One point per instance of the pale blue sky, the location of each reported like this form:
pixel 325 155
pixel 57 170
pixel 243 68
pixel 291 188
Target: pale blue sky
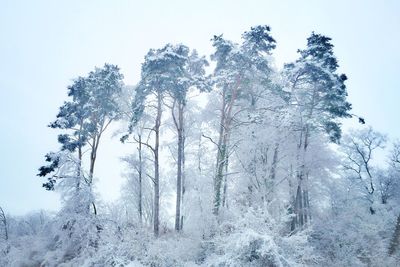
pixel 45 44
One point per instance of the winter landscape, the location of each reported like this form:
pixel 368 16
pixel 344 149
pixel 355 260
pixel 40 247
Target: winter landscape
pixel 222 133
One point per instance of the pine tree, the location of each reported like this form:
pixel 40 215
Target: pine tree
pixel 163 72
pixel 191 74
pixel 318 97
pixel 84 118
pixel 239 68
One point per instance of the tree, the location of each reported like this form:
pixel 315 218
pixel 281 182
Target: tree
pixel 135 179
pixel 160 72
pixel 84 118
pixel 317 97
pixel 137 192
pixel 189 73
pixel 237 69
pixel 360 148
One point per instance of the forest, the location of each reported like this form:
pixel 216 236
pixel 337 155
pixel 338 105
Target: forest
pixel 234 162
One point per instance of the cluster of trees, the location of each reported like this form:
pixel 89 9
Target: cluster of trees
pixel 246 160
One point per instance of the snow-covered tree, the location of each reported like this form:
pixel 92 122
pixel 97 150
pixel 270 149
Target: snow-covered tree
pixel 188 74
pixel 84 118
pixel 242 158
pixel 317 97
pixel 360 147
pixel 161 71
pixel 239 69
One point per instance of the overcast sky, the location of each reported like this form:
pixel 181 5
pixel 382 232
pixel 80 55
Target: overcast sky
pixel 45 44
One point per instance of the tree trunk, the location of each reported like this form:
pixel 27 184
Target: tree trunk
pixel 224 131
pixel 225 189
pixel 394 243
pixel 140 208
pixel 92 161
pixel 301 205
pixel 180 167
pixel 219 177
pixel 220 158
pixel 156 220
pixel 183 177
pixel 79 170
pixel 274 164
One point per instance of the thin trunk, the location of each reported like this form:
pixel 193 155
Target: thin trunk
pixel 300 202
pixel 179 126
pixel 93 156
pixel 199 155
pixel 220 157
pixel 183 175
pixel 94 208
pixel 224 195
pixel 156 220
pixel 305 207
pixel 299 206
pixel 224 131
pixel 92 160
pixel 307 202
pixel 79 170
pixel 140 208
pixel 272 175
pixel 274 164
pixel 219 177
pixel 292 205
pixel 394 242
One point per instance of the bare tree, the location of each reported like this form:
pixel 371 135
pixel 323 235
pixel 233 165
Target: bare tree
pixel 359 148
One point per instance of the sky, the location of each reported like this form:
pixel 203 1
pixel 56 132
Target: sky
pixel 46 44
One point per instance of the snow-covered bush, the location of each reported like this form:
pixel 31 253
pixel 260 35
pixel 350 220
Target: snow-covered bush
pixel 253 239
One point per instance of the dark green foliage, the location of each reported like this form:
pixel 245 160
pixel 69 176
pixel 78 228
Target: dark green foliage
pixel 320 49
pixel 170 70
pixel 333 130
pixel 92 105
pixel 243 65
pixel 319 91
pixel 54 161
pixel 259 40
